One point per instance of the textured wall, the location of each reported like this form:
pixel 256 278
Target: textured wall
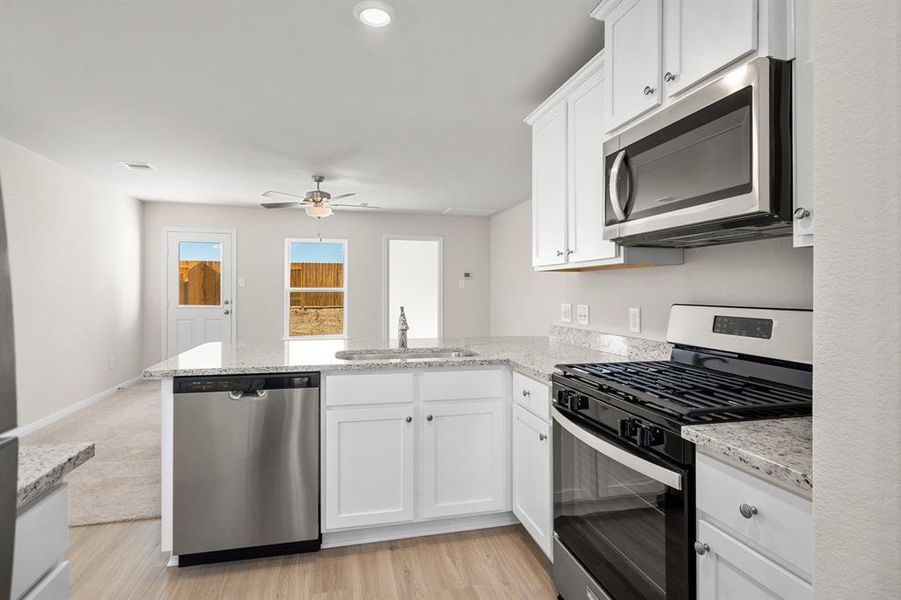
pixel 75 258
pixel 767 273
pixel 857 299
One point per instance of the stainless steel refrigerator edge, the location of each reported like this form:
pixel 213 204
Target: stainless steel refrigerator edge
pixel 9 446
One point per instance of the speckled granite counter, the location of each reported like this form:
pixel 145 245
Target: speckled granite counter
pixel 41 467
pixel 780 450
pixel 531 356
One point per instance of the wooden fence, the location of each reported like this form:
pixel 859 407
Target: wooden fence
pixel 200 282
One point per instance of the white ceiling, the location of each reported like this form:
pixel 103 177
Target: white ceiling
pixel 229 99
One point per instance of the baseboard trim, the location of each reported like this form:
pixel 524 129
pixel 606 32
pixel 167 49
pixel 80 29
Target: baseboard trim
pixel 70 410
pixel 386 533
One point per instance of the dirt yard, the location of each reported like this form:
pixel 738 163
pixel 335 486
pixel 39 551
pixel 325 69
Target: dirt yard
pixel 316 321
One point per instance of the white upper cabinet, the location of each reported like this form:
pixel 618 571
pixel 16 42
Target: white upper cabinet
pixel 586 173
pixel 549 187
pixel 632 36
pixel 702 36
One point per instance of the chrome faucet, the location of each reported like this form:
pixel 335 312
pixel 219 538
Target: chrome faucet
pixel 402 328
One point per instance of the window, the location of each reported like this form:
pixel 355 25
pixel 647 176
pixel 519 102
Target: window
pixel 413 280
pixel 315 288
pixel 199 273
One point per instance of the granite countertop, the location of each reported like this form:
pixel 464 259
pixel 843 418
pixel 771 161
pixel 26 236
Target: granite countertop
pixel 780 450
pixel 531 356
pixel 41 467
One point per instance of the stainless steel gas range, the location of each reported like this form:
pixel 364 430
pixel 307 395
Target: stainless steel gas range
pixel 624 510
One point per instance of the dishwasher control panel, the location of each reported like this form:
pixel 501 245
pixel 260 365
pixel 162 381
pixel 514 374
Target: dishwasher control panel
pixel 244 383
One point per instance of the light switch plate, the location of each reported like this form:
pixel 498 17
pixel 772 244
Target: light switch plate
pixel 635 320
pixel 241 282
pixel 566 313
pixel 582 314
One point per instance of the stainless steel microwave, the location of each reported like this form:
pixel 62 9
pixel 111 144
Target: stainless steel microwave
pixel 713 168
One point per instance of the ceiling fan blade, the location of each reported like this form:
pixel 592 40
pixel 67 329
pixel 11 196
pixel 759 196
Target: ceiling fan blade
pixel 342 196
pixel 275 194
pixel 355 206
pixel 282 204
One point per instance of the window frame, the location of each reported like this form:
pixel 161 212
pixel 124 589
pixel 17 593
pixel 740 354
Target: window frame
pixel 286 271
pixel 386 279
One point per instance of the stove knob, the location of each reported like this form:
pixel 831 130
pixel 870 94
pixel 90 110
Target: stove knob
pixel 627 428
pixel 649 436
pixel 579 402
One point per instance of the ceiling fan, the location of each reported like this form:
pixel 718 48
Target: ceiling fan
pixel 316 203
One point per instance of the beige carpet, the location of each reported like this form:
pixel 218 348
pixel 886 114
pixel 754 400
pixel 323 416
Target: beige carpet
pixel 122 481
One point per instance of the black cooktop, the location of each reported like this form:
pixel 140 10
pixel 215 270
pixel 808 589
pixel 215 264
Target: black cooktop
pixel 691 394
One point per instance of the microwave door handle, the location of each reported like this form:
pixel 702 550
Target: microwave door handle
pixel 615 453
pixel 612 186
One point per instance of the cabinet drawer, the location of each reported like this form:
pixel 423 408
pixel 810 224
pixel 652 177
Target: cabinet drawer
pixel 532 395
pixel 783 524
pixel 42 538
pixel 463 385
pixel 369 388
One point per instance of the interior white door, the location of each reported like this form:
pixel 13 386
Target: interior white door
pixel 464 458
pixel 729 570
pixel 532 476
pixel 549 188
pixel 703 36
pixel 633 38
pixel 369 466
pixel 586 173
pixel 199 304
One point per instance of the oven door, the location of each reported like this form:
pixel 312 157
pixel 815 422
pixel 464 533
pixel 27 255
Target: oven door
pixel 622 514
pixel 720 155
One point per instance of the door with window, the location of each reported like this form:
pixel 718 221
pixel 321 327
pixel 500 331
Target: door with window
pixel 413 279
pixel 199 303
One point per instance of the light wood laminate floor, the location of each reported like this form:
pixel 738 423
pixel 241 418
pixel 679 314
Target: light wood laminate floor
pixel 122 560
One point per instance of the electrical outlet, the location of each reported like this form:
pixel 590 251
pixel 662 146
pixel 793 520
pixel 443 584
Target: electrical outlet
pixel 582 314
pixel 635 320
pixel 111 362
pixel 566 313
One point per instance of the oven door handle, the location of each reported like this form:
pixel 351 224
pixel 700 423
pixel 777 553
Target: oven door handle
pixel 613 187
pixel 615 453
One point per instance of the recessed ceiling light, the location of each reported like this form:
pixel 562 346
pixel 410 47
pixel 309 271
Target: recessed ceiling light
pixel 137 166
pixel 374 13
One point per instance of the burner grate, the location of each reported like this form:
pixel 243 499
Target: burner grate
pixel 690 392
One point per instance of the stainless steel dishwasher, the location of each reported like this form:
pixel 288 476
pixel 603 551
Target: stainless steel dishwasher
pixel 246 466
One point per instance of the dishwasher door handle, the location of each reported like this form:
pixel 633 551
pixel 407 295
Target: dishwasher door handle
pixel 258 395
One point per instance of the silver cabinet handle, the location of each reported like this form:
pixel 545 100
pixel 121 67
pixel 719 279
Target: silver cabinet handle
pixel 226 312
pixel 611 186
pixel 648 90
pixel 559 252
pixel 747 511
pixel 701 548
pixel 542 436
pixel 801 213
pixel 569 251
pixel 409 419
pixel 670 76
pixel 526 393
pixel 429 418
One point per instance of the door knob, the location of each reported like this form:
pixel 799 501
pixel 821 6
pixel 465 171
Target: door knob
pixel 409 419
pixel 429 418
pixel 226 312
pixel 701 548
pixel 226 302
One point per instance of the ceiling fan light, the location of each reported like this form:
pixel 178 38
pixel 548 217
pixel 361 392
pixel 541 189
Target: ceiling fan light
pixel 319 211
pixel 374 13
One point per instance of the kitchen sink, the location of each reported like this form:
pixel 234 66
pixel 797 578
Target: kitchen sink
pixel 413 353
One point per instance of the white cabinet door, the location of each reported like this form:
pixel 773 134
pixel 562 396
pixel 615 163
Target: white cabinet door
pixel 730 570
pixel 464 458
pixel 586 173
pixel 532 476
pixel 549 188
pixel 702 36
pixel 632 34
pixel 369 466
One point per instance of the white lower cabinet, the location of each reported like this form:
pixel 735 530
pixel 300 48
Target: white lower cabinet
pixel 464 458
pixel 532 476
pixel 369 466
pixel 730 570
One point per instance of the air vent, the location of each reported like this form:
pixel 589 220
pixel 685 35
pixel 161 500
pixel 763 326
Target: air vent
pixel 137 166
pixel 469 212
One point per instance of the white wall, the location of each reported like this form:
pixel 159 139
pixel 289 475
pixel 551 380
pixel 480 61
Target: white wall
pixel 260 249
pixel 857 299
pixel 523 302
pixel 75 258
